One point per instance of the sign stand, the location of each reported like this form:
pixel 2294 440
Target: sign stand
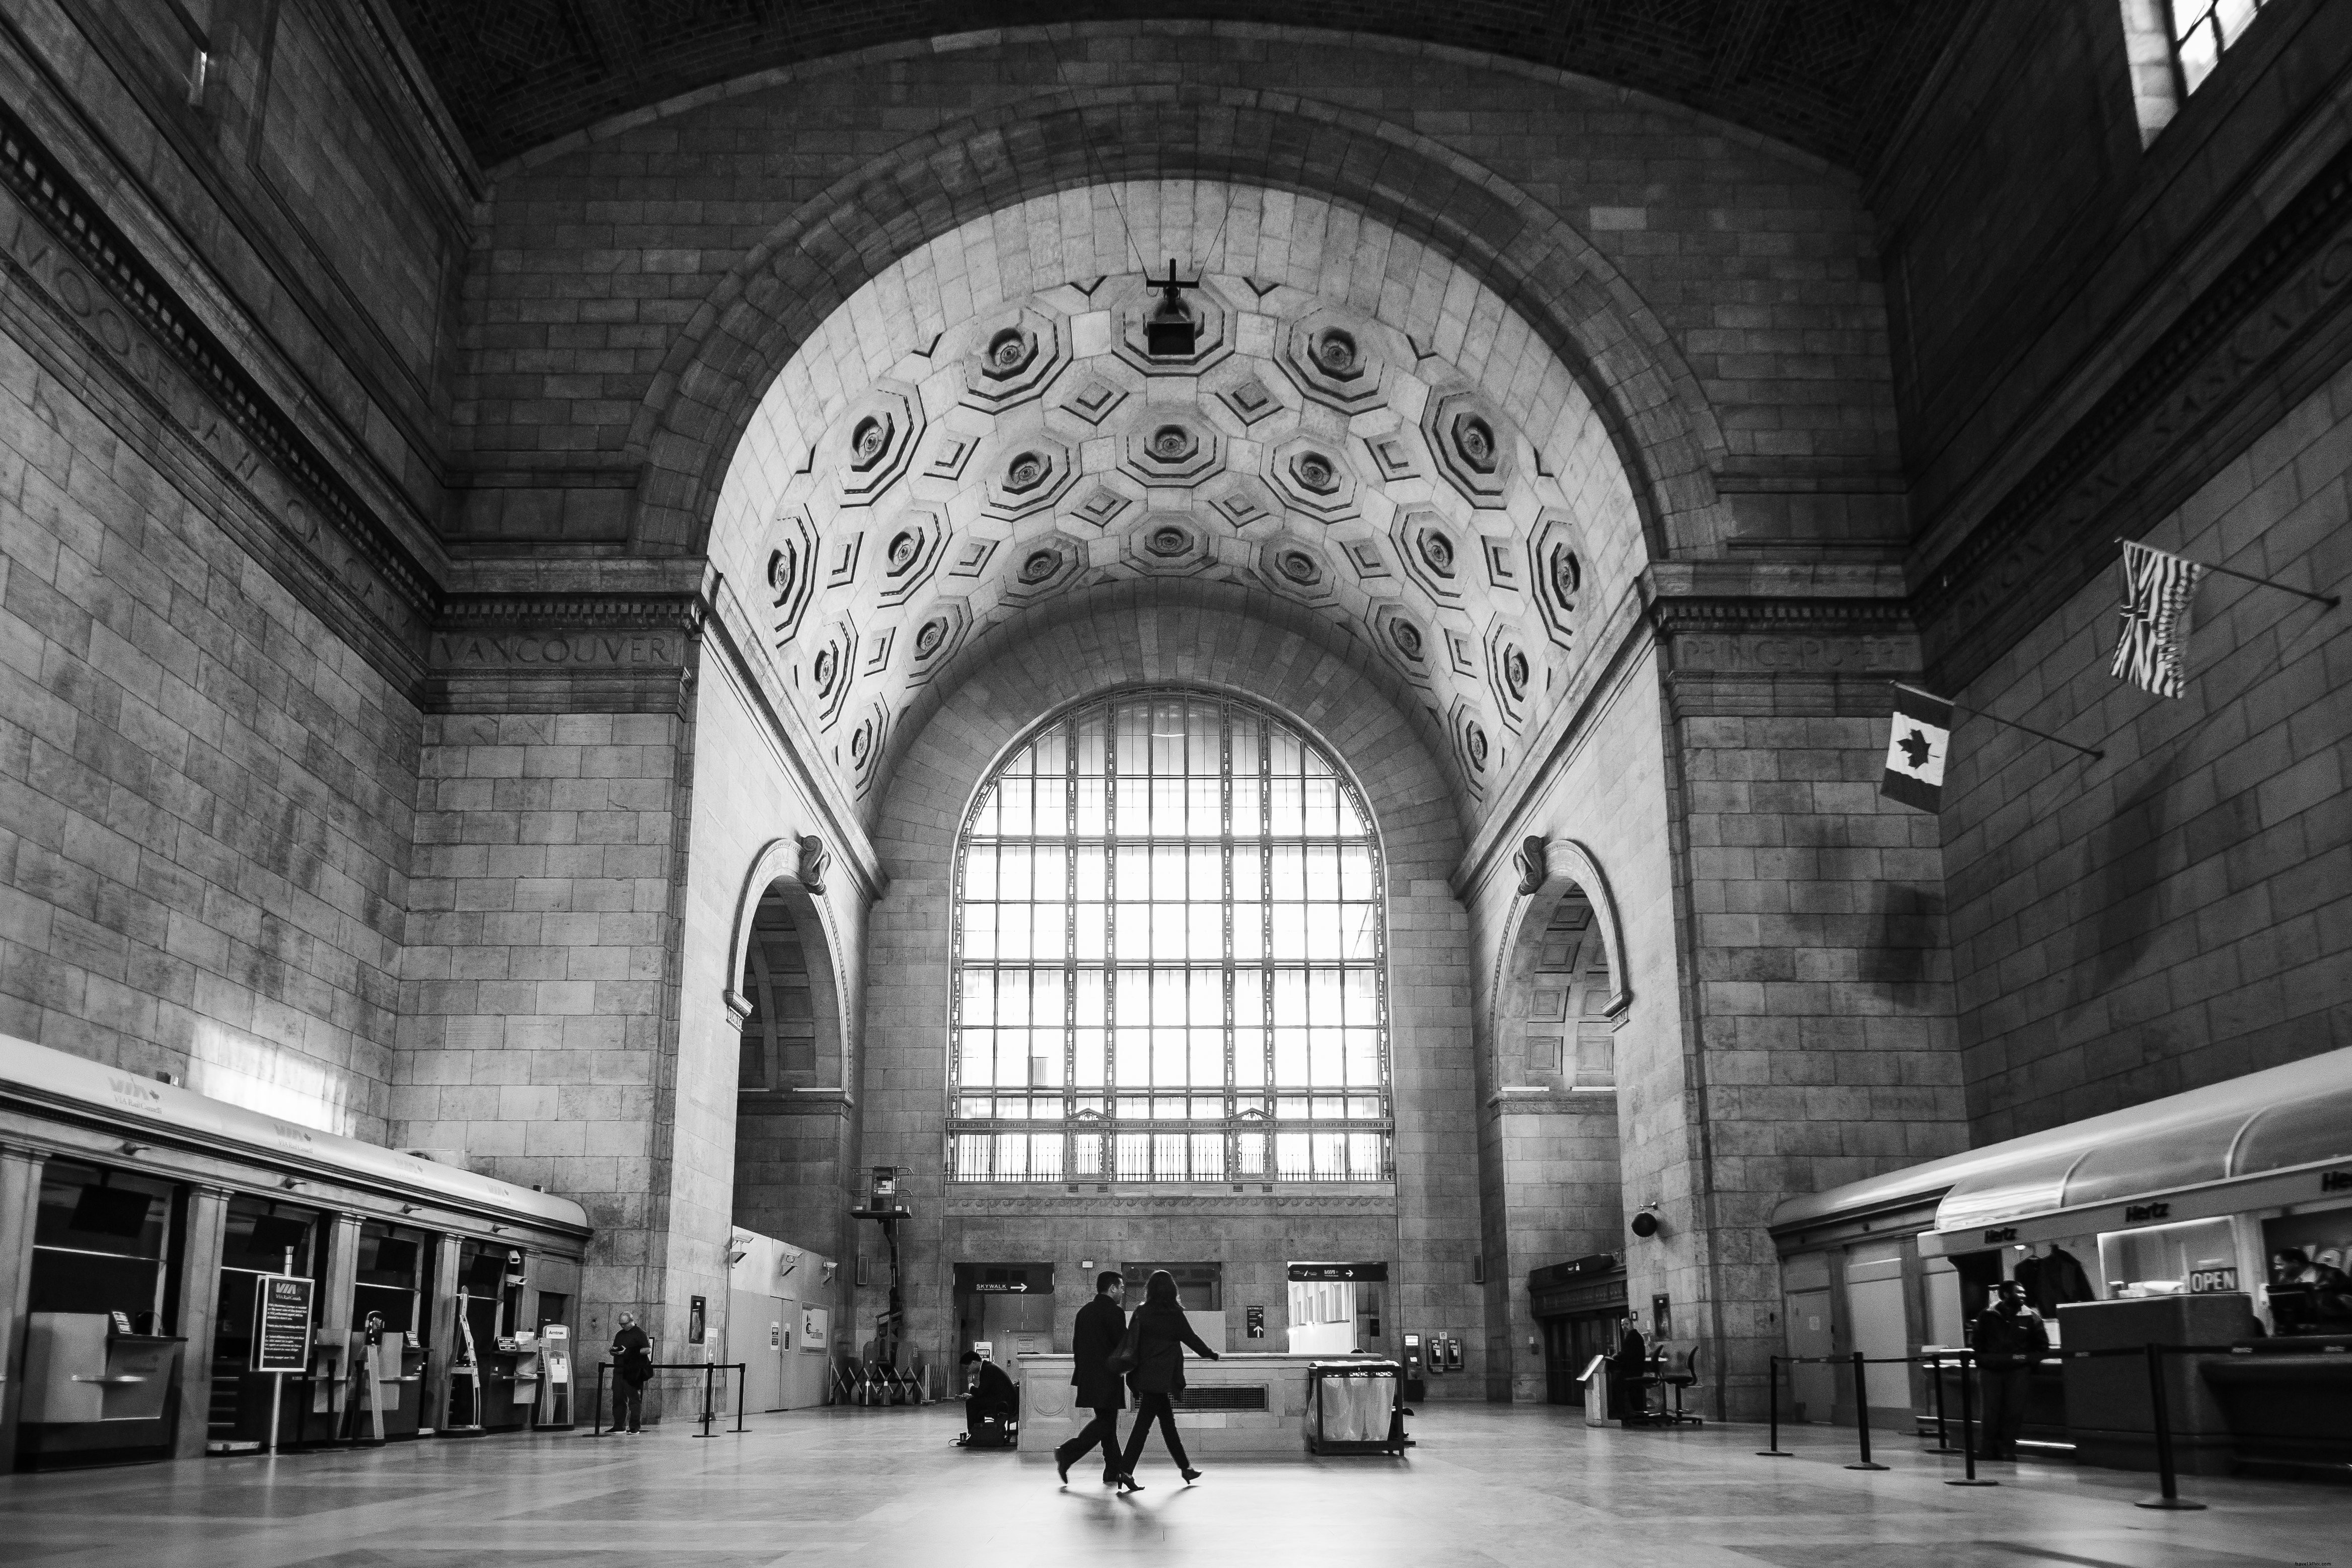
pixel 281 1335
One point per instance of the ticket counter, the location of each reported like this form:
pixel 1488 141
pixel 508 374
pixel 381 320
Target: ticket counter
pixel 138 1221
pixel 2220 1216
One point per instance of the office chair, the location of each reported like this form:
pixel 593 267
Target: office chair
pixel 1678 1371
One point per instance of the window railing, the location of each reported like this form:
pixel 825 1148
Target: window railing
pixel 1191 1152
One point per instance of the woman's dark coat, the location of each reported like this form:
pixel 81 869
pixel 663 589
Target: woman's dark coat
pixel 1100 1326
pixel 1162 1332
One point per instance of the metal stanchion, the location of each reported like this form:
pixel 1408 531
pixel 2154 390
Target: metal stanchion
pixel 598 1414
pixel 1775 1451
pixel 1943 1433
pixel 1967 1430
pixel 708 1368
pixel 1862 1416
pixel 742 1375
pixel 2169 1483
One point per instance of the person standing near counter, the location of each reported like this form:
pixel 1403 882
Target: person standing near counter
pixel 2009 1339
pixel 633 1368
pixel 1100 1326
pixel 1160 1333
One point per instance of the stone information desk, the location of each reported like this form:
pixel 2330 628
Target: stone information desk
pixel 1240 1405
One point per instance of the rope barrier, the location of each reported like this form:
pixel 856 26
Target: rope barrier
pixel 1965 1361
pixel 707 1369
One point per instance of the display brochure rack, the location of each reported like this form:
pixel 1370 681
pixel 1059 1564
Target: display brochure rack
pixel 1352 1407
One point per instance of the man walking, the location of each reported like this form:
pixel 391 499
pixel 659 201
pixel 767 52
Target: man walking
pixel 1100 1327
pixel 2009 1340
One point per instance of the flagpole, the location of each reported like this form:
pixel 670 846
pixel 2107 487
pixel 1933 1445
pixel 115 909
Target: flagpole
pixel 1933 697
pixel 2328 600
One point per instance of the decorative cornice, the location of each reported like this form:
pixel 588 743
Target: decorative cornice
pixel 39 181
pixel 1679 615
pixel 2137 452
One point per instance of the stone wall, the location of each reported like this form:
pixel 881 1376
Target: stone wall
pixel 2175 912
pixel 208 791
pixel 1721 289
pixel 1126 638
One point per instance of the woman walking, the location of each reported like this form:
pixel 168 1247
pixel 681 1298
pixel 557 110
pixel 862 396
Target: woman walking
pixel 1158 1332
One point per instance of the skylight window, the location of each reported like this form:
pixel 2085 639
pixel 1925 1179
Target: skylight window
pixel 2201 30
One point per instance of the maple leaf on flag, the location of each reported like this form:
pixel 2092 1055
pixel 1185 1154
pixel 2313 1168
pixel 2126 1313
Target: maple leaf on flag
pixel 1916 748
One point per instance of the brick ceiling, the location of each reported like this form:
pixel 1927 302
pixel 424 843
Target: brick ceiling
pixel 1830 76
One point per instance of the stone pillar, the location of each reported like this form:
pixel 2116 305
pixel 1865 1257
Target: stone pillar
pixel 205 1222
pixel 1820 1045
pixel 441 1311
pixel 20 1202
pixel 335 1302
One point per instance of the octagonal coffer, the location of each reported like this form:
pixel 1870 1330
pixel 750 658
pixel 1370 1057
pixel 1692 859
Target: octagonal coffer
pixel 1311 477
pixel 1296 568
pixel 1028 475
pixel 911 549
pixel 1015 357
pixel 791 573
pixel 871 447
pixel 1043 567
pixel 1167 544
pixel 1468 439
pixel 1329 357
pixel 1174 451
pixel 1512 674
pixel 1556 571
pixel 936 638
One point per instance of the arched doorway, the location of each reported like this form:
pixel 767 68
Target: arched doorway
pixel 1554 1205
pixel 792 1147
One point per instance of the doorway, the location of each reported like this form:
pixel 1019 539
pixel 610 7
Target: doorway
pixel 1569 1344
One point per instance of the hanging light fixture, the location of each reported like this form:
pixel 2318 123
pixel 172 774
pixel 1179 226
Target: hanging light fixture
pixel 1172 331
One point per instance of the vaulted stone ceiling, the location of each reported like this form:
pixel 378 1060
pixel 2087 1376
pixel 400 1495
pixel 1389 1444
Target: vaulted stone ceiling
pixel 1834 76
pixel 1300 451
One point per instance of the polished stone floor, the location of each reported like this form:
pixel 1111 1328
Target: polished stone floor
pixel 884 1487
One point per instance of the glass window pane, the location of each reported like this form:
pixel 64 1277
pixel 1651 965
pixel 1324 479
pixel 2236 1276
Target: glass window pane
pixel 1173 886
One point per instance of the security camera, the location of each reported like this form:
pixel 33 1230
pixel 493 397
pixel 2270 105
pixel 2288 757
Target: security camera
pixel 829 1271
pixel 1647 1222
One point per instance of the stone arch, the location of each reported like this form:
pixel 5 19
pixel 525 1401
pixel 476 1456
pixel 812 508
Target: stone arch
pixel 775 881
pixel 1433 1217
pixel 1196 593
pixel 1550 870
pixel 1658 417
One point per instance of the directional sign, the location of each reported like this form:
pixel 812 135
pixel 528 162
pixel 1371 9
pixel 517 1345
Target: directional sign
pixel 1313 1273
pixel 282 1324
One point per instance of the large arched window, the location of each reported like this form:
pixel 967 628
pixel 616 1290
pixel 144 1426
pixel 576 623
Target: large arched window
pixel 1168 956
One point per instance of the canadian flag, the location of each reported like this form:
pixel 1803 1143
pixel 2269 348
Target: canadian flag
pixel 1917 744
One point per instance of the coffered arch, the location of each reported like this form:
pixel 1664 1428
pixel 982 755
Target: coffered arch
pixel 1463 218
pixel 981 430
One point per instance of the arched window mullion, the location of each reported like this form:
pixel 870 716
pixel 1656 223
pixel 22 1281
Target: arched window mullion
pixel 1174 994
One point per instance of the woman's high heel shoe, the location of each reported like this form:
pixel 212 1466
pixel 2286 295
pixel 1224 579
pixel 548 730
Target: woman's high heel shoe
pixel 1192 1476
pixel 1129 1483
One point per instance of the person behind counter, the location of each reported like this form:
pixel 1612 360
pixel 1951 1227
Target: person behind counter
pixel 633 1368
pixel 992 1393
pixel 1100 1326
pixel 2009 1339
pixel 2306 1296
pixel 1160 1333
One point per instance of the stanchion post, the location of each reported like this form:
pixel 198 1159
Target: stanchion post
pixel 708 1368
pixel 597 1415
pixel 1862 1416
pixel 1968 1427
pixel 1775 1451
pixel 743 1375
pixel 1942 1432
pixel 2167 1481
